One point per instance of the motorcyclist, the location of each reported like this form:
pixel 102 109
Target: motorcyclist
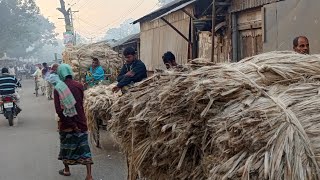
pixel 8 86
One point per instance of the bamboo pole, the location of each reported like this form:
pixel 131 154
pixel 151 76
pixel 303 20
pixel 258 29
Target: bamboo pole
pixel 213 28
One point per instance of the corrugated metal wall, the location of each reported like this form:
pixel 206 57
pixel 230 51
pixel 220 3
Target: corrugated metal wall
pixel 239 5
pixel 288 19
pixel 157 38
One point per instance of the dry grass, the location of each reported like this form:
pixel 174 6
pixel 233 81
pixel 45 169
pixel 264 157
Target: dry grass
pixel 256 119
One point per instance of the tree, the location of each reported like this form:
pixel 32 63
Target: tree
pixel 125 29
pixel 46 52
pixel 22 26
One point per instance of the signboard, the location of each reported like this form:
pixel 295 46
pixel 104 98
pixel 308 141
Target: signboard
pixel 68 38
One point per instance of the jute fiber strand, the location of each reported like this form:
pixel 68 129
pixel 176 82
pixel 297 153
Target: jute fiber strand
pixel 97 104
pixel 251 120
pixel 80 59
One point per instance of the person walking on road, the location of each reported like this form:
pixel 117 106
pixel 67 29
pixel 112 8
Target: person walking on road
pixel 12 71
pixel 53 79
pixel 46 73
pixel 49 87
pixel 68 100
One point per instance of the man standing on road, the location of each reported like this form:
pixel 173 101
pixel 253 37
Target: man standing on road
pixel 45 75
pixel 38 79
pixel 53 72
pixel 132 72
pixel 68 100
pixel 53 79
pixel 301 45
pixel 12 71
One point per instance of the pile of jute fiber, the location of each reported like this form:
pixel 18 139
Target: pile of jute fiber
pixel 255 119
pixel 80 59
pixel 97 105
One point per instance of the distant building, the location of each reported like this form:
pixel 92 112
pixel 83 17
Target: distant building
pixel 110 41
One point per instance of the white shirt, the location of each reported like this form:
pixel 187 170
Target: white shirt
pixel 12 71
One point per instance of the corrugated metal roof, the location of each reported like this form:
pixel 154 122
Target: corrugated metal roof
pixel 163 10
pixel 176 9
pixel 126 40
pixel 240 5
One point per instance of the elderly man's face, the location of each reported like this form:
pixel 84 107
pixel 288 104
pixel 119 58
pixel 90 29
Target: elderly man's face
pixel 303 46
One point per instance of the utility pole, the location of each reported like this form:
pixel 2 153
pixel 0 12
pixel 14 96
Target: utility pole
pixel 66 14
pixel 73 31
pixel 68 19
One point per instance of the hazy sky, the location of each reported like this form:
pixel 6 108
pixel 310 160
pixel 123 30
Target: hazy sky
pixel 95 17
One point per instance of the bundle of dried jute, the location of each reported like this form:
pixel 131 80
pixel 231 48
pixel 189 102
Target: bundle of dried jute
pixel 255 119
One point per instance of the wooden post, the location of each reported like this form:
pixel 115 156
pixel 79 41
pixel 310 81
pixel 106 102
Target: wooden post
pixel 213 28
pixel 174 28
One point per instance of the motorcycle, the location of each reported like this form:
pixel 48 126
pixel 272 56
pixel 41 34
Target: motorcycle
pixel 9 108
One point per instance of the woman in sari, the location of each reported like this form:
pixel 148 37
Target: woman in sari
pixel 68 100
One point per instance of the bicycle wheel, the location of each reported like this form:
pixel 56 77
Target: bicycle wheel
pixel 36 89
pixel 43 90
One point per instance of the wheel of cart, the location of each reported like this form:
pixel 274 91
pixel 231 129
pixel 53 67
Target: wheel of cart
pixel 95 134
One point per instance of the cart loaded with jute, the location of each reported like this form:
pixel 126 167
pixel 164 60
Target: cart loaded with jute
pixel 80 59
pixel 255 119
pixel 97 106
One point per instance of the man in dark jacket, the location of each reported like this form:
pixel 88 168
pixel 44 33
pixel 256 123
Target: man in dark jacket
pixel 132 72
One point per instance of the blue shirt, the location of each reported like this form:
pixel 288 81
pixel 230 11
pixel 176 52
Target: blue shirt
pixel 95 75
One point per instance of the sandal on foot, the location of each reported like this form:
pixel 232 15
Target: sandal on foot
pixel 63 173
